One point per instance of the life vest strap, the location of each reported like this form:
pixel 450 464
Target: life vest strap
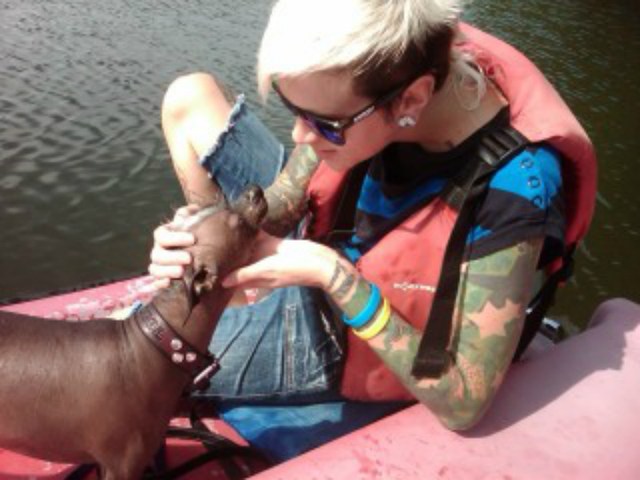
pixel 343 227
pixel 465 193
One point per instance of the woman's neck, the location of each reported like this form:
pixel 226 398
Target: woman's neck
pixel 448 119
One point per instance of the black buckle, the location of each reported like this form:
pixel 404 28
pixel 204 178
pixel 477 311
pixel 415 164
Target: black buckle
pixel 566 271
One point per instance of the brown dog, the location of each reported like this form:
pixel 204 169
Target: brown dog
pixel 104 391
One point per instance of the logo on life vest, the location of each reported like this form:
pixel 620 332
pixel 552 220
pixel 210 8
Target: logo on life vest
pixel 406 286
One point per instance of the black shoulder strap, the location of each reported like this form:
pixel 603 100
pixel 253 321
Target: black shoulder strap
pixel 464 193
pixel 343 222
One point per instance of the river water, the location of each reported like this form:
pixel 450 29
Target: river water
pixel 85 176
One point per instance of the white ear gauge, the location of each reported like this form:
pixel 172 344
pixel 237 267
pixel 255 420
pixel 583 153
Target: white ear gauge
pixel 406 121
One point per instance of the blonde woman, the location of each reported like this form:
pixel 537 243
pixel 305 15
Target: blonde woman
pixel 411 98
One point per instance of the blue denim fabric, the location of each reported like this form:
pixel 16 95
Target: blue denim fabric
pixel 245 153
pixel 285 352
pixel 282 432
pixel 284 346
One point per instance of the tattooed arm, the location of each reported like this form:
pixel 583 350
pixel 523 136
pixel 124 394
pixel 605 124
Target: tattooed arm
pixel 287 197
pixel 493 295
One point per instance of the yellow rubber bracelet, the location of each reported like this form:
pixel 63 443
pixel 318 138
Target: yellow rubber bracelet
pixel 375 327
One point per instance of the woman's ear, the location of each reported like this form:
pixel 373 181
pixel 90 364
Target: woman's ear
pixel 416 97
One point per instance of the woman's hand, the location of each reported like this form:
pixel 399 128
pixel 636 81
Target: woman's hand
pixel 167 257
pixel 280 262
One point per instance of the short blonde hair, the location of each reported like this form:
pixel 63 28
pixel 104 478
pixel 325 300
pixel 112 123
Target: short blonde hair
pixel 369 37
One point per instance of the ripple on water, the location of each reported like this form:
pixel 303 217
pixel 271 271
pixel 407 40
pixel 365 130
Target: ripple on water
pixel 10 182
pixel 103 238
pixel 103 186
pixel 25 166
pixel 49 178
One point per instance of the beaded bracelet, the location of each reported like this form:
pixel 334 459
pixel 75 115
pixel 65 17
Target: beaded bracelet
pixel 370 309
pixel 375 327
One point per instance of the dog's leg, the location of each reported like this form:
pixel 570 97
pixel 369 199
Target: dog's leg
pixel 122 471
pixel 126 463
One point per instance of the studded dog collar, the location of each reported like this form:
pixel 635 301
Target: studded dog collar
pixel 199 366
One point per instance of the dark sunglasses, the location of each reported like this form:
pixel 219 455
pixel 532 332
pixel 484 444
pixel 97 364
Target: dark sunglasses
pixel 333 129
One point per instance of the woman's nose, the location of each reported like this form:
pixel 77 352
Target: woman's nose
pixel 303 133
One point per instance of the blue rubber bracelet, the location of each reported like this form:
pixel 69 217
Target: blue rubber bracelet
pixel 367 312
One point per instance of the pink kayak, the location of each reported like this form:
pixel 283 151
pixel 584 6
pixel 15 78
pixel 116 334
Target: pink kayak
pixel 565 412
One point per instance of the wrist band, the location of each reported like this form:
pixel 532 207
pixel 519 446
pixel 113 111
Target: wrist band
pixel 367 312
pixel 381 321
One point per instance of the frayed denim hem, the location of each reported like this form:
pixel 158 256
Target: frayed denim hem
pixel 239 108
pixel 245 153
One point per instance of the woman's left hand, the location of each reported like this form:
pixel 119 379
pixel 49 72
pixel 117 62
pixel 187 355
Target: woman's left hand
pixel 281 262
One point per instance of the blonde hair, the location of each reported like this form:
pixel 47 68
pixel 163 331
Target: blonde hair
pixel 372 38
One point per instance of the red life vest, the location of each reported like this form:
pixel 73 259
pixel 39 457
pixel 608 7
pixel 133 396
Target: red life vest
pixel 406 263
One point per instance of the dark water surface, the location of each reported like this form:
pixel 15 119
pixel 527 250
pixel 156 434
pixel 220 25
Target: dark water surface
pixel 85 175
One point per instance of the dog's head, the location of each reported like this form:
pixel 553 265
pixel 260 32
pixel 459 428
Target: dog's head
pixel 225 235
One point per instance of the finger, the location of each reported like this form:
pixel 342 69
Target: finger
pixel 167 234
pixel 185 212
pixel 161 283
pixel 230 280
pixel 160 272
pixel 171 238
pixel 162 256
pixel 300 247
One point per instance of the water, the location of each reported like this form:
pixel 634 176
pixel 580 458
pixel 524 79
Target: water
pixel 85 176
pixel 84 172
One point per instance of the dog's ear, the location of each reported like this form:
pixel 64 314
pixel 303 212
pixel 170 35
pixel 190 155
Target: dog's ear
pixel 205 280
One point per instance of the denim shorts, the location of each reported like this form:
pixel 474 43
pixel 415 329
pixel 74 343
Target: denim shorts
pixel 282 357
pixel 286 346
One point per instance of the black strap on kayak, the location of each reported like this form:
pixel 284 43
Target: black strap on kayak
pixel 464 193
pixel 237 461
pixel 227 453
pixel 543 300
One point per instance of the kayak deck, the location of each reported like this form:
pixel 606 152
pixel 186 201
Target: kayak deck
pixel 569 413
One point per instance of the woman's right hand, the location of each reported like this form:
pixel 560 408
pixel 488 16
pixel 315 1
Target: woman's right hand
pixel 167 256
